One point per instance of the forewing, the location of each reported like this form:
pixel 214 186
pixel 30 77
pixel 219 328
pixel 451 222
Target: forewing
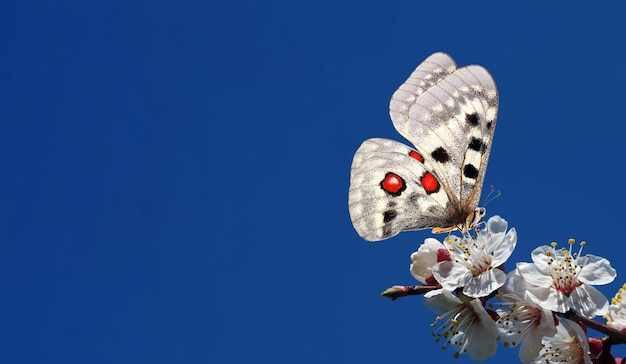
pixel 449 115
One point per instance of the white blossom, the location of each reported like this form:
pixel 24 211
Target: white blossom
pixel 561 280
pixel 465 325
pixel 474 263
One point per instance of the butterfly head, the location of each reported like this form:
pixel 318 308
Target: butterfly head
pixel 474 218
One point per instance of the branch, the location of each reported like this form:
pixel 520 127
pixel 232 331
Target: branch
pixel 402 291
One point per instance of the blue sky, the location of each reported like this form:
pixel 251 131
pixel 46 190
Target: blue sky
pixel 175 174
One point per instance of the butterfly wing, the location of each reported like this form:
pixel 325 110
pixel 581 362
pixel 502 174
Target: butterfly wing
pixel 391 191
pixel 449 115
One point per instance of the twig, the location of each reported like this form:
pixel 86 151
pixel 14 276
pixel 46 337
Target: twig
pixel 402 291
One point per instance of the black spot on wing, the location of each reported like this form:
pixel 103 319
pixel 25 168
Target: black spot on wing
pixel 470 171
pixel 472 119
pixel 477 144
pixel 389 215
pixel 440 155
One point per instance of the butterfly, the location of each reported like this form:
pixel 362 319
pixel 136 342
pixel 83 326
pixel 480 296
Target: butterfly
pixel 449 115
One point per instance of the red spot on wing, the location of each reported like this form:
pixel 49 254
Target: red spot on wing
pixel 429 182
pixel 393 184
pixel 416 155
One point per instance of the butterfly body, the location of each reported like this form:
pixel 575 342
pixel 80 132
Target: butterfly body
pixel 449 115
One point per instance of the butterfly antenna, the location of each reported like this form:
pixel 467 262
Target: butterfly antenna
pixel 493 194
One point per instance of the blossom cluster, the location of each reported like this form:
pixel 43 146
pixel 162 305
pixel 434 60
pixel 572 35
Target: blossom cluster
pixel 531 307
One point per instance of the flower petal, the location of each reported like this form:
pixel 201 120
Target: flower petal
pixel 588 301
pixel 485 283
pixel 596 270
pixel 424 259
pixel 542 255
pixel 504 249
pixel 550 299
pixel 530 347
pixel 451 276
pixel 482 339
pixel 440 301
pixel 533 275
